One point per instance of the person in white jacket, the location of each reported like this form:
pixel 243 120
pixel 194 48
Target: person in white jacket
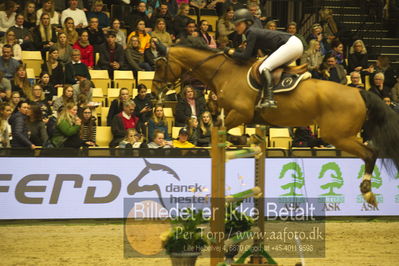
pixel 78 15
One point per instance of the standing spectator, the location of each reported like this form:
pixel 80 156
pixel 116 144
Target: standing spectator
pixel 88 127
pixel 22 34
pixel 48 88
pixel 14 100
pixel 143 107
pixel 356 81
pixel 122 122
pixel 117 105
pixel 203 33
pixel 19 127
pixel 159 141
pixel 5 85
pixel 85 48
pixel 358 58
pixel 225 25
pixel 79 17
pixel 181 20
pixel 379 87
pixel 64 48
pixel 48 7
pixel 292 29
pixel 135 59
pixel 205 129
pixel 138 14
pixel 111 55
pixel 54 68
pixel 5 113
pixel 160 32
pixel 151 53
pixel 8 65
pixel 67 131
pixel 188 106
pixel 182 140
pixel 70 31
pixel 21 83
pixel 36 127
pixel 76 70
pixel 338 51
pixel 120 35
pixel 158 122
pixel 96 35
pixel 162 12
pixel 44 35
pixel 97 12
pixel 37 97
pixel 30 15
pixel 7 17
pixel 13 42
pixel 66 98
pixel 312 56
pixel 332 71
pixel 142 35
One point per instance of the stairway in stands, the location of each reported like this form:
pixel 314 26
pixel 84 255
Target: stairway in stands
pixel 372 31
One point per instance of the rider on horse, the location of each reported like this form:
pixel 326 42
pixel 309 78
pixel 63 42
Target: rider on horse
pixel 284 48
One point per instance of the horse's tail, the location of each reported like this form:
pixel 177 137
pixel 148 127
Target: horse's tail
pixel 382 125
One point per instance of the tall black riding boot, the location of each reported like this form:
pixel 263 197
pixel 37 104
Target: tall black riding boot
pixel 267 101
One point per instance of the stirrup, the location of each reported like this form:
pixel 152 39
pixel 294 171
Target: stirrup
pixel 267 103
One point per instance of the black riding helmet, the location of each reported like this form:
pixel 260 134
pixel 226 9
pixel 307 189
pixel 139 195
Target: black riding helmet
pixel 243 15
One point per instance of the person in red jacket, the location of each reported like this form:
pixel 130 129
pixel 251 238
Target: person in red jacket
pixel 85 48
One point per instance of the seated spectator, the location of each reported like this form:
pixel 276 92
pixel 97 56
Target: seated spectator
pixel 5 113
pixel 356 80
pixel 111 55
pixel 85 48
pixel 394 91
pixel 383 65
pixel 78 15
pixel 37 98
pixel 256 14
pixel 190 32
pixel 392 105
pixel 97 12
pixel 88 127
pixel 54 68
pixel 142 35
pixel 158 141
pixel 136 15
pixel 19 127
pixel 134 58
pixel 292 29
pixel 330 70
pixel 225 25
pixel 172 7
pixel 120 35
pixel 7 17
pixel 303 137
pixel 213 107
pixel 48 88
pixel 158 122
pixel 133 139
pixel 162 12
pixel 3 95
pixel 37 129
pixel 14 100
pixel 8 65
pixel 223 42
pixel 48 7
pixel 151 53
pixel 30 15
pixel 76 70
pixel 203 33
pixel 161 34
pixel 143 109
pixel 205 128
pixel 64 48
pixel 271 25
pixel 181 20
pixel 22 34
pixel 193 130
pixel 122 122
pixel 67 130
pixel 379 87
pixel 44 35
pixel 337 50
pixel 188 106
pixel 117 105
pixel 83 87
pixel 312 56
pixel 182 140
pixel 317 35
pixel 20 83
pixel 67 97
pixel 358 58
pixel 70 31
pixel 5 85
pixel 96 35
pixel 13 42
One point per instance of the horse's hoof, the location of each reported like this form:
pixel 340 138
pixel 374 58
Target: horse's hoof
pixel 365 186
pixel 370 198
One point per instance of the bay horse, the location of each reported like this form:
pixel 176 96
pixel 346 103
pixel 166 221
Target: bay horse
pixel 340 111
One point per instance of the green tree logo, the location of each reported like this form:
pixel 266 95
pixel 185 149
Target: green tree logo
pixel 298 179
pixel 336 176
pixel 376 179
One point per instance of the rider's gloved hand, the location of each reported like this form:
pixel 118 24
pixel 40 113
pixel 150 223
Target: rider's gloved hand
pixel 228 51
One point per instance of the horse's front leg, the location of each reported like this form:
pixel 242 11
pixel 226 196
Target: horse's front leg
pixel 234 119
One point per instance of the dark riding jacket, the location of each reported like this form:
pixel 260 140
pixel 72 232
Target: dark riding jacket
pixel 260 39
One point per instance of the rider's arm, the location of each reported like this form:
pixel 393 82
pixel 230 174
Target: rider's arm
pixel 247 52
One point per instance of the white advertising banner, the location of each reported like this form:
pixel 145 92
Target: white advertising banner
pixel 69 188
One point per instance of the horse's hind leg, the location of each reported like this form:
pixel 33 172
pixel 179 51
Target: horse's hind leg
pixel 369 156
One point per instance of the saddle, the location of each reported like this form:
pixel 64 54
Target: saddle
pixel 284 78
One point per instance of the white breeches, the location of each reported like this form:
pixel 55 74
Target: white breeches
pixel 290 51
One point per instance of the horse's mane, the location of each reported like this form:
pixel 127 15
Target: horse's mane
pixel 195 43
